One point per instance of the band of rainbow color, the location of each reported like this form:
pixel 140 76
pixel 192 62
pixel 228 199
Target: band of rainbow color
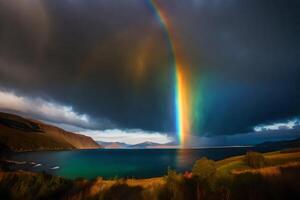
pixel 182 75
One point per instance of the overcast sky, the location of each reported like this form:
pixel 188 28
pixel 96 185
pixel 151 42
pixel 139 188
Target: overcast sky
pixel 100 65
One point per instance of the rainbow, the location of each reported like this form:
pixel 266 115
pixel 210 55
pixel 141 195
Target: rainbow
pixel 181 75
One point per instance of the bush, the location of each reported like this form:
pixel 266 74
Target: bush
pixel 16 185
pixel 249 186
pixel 123 191
pixel 204 169
pixel 173 189
pixel 254 159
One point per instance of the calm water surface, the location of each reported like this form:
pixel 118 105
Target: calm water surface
pixel 110 163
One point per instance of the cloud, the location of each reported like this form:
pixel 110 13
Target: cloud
pixel 244 139
pixel 133 136
pixel 32 17
pixel 289 124
pixel 44 110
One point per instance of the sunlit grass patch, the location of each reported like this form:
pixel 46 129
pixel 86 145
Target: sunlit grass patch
pixel 226 166
pixel 269 171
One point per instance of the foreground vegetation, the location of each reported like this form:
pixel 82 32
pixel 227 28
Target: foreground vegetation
pixel 256 176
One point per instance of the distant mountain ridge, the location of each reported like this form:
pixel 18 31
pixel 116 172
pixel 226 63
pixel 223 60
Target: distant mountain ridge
pixel 153 145
pixel 281 144
pixel 113 145
pixel 20 134
pixel 143 145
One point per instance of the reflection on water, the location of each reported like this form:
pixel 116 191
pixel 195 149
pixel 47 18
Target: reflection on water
pixel 185 158
pixel 109 163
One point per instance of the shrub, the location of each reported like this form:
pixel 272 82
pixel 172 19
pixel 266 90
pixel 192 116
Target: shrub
pixel 173 188
pixel 123 191
pixel 254 159
pixel 16 185
pixel 249 186
pixel 204 169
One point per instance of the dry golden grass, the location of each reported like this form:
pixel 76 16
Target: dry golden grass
pixel 145 183
pixel 20 173
pixel 268 171
pixel 223 162
pixel 99 185
pixel 273 159
pixel 277 155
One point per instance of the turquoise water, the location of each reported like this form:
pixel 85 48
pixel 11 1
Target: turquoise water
pixel 110 163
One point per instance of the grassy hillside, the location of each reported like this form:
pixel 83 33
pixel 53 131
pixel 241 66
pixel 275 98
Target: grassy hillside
pixel 21 134
pixel 231 178
pixel 277 158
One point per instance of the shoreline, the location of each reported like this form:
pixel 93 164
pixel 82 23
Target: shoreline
pixel 7 163
pixel 237 174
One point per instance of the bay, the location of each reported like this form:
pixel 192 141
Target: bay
pixel 118 163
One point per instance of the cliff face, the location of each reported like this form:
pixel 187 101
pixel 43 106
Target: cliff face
pixel 20 134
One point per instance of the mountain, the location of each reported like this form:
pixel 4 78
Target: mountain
pixel 153 145
pixel 113 145
pixel 144 145
pixel 21 134
pixel 281 144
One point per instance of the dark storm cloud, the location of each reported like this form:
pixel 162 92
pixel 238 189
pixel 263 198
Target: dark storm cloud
pixel 109 59
pixel 247 53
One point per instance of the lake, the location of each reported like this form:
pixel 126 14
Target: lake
pixel 110 163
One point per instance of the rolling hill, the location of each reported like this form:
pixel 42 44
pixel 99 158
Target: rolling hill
pixel 19 134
